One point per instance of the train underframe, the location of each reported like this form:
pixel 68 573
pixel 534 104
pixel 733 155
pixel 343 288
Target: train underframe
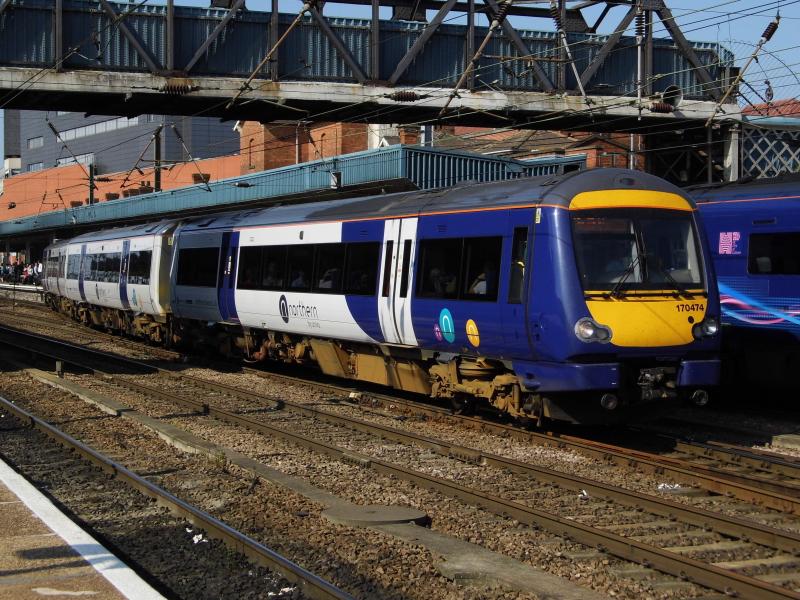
pixel 461 380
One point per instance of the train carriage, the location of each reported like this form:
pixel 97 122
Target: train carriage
pixel 117 279
pixel 754 228
pixel 568 297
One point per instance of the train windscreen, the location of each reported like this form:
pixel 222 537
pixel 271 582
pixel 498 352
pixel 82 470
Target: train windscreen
pixel 622 250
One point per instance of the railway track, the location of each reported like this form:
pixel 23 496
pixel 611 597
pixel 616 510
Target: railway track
pixel 311 585
pixel 759 477
pixel 758 561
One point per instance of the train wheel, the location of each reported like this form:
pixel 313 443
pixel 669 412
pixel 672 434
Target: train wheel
pixel 463 404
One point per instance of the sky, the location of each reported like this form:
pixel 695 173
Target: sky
pixel 736 24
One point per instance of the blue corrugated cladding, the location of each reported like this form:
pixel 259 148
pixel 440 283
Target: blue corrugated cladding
pixel 426 167
pixel 25 38
pixel 307 54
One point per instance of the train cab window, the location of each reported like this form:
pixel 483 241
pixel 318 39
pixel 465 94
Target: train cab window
pixel 361 269
pixel 774 254
pixel 519 252
pixel 481 268
pixel 139 267
pixel 198 267
pixel 329 268
pixel 300 261
pixel 439 266
pixel 249 277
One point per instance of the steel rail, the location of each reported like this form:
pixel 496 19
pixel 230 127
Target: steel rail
pixel 770 494
pixel 311 585
pixel 709 575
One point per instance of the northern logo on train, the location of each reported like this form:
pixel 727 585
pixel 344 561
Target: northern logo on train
pixel 301 310
pixel 447 326
pixel 283 308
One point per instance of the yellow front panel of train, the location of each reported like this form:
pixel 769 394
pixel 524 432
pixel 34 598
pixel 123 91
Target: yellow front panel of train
pixel 647 322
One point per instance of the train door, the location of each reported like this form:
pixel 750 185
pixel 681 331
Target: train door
pixel 397 273
pixel 81 274
pixel 514 300
pixel 123 275
pixel 226 280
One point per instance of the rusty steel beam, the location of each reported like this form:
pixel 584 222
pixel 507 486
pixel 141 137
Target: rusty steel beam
pixel 420 42
pixel 522 48
pixel 700 70
pixel 58 33
pixel 375 42
pixel 611 42
pixel 214 35
pixel 169 35
pixel 148 58
pixel 274 36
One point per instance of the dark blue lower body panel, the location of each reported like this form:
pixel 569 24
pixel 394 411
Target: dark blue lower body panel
pixel 567 377
pixel 695 373
pixel 575 377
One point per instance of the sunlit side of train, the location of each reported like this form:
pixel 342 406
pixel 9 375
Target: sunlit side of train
pixel 573 297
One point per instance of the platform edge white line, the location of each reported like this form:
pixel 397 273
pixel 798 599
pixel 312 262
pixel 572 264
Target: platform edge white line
pixel 118 574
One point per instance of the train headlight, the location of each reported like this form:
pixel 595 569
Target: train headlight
pixel 709 327
pixel 588 330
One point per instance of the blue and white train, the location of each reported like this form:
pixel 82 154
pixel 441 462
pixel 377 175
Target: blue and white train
pixel 754 230
pixel 568 297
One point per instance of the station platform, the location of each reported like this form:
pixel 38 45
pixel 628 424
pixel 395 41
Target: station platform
pixel 43 554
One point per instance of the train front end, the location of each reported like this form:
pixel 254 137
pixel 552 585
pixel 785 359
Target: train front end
pixel 637 300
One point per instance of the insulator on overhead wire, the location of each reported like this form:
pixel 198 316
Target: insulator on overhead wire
pixel 404 96
pixel 661 107
pixel 640 24
pixel 770 30
pixel 502 12
pixel 556 14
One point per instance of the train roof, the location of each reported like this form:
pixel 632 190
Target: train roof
pixel 556 190
pixel 785 187
pixel 552 190
pixel 142 229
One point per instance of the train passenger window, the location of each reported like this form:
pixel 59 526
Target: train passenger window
pixel 273 265
pixel 481 268
pixel 361 271
pixel 439 267
pixel 198 267
pixel 108 267
pixel 89 267
pixel 519 252
pixel 249 277
pixel 774 254
pixel 301 259
pixel 139 267
pixel 73 266
pixel 329 268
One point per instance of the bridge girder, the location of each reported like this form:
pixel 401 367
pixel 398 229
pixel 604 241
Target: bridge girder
pixel 144 93
pixel 164 73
